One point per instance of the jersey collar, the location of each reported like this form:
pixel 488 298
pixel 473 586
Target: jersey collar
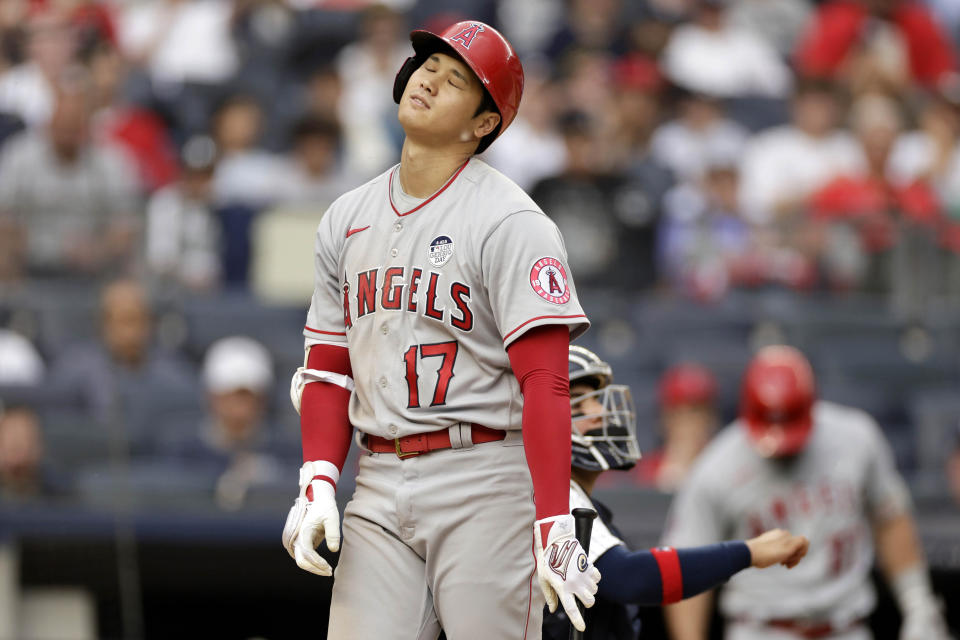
pixel 428 200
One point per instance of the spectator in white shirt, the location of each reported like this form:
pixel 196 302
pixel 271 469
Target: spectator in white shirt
pixel 27 89
pixel 931 152
pixel 246 174
pixel 783 166
pixel 180 41
pixel 685 145
pixel 710 56
pixel 183 233
pixel 368 68
pixel 80 219
pixel 532 149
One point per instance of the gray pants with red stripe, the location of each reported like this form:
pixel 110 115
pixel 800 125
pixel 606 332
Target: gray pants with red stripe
pixel 441 540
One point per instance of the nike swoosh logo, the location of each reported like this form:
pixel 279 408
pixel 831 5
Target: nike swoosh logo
pixel 358 230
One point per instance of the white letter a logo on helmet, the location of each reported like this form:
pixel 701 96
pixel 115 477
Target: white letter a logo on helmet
pixel 466 36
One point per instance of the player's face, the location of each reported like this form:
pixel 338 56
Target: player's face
pixel 439 105
pixel 585 406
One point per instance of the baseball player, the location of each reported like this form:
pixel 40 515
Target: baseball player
pixel 438 328
pixel 824 471
pixel 604 437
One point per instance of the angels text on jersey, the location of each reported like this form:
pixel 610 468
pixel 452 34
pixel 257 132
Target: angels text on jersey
pixel 409 289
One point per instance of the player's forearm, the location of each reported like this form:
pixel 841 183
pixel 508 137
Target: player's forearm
pixel 898 547
pixel 689 619
pixel 540 363
pixel 901 559
pixel 325 428
pixel 666 575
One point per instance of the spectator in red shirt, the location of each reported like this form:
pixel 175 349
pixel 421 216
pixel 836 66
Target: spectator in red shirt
pixel 864 214
pixel 876 44
pixel 138 132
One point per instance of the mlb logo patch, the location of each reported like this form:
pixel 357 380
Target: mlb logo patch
pixel 441 248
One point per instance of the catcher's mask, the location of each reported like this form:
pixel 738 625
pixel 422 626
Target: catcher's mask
pixel 603 426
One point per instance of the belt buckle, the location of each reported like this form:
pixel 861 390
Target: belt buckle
pixel 401 454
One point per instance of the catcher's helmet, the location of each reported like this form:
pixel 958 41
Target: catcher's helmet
pixel 606 436
pixel 486 52
pixel 776 404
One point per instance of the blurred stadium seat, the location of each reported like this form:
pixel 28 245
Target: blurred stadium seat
pixel 758 112
pixel 935 418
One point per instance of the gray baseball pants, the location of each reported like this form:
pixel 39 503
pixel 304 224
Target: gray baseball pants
pixel 440 540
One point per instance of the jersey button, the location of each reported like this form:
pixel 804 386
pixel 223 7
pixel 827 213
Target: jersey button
pixel 398 226
pixel 392 429
pixel 383 381
pixel 384 329
pixel 394 252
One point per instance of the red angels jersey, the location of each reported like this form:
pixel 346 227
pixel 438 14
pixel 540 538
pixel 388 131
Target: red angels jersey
pixel 843 481
pixel 427 295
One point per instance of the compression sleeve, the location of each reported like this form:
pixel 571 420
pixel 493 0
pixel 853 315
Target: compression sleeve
pixel 641 577
pixel 325 428
pixel 540 362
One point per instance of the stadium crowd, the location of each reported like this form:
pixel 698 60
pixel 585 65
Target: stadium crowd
pixel 163 164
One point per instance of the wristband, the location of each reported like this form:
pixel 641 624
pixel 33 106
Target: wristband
pixel 912 589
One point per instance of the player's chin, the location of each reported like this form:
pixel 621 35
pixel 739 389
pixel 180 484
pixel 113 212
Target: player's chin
pixel 414 120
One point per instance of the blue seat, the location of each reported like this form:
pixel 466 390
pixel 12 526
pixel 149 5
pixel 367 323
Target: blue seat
pixel 758 112
pixel 935 416
pixel 279 329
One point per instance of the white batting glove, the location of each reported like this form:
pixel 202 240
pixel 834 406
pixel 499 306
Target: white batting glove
pixel 924 625
pixel 922 619
pixel 311 521
pixel 563 568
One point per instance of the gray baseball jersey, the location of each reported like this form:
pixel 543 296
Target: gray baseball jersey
pixel 428 294
pixel 843 480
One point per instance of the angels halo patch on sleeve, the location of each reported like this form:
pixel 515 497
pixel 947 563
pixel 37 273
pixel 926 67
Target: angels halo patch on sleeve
pixel 549 279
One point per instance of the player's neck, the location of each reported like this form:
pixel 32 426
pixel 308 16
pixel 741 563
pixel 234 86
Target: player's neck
pixel 423 170
pixel 586 479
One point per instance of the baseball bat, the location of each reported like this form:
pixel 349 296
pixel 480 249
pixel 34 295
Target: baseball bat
pixel 583 527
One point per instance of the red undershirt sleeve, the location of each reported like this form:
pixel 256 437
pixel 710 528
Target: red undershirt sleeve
pixel 325 429
pixel 540 362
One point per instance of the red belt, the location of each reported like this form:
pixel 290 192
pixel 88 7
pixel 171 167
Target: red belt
pixel 419 443
pixel 806 629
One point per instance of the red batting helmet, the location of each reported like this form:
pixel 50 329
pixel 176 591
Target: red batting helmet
pixel 687 383
pixel 776 403
pixel 486 52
